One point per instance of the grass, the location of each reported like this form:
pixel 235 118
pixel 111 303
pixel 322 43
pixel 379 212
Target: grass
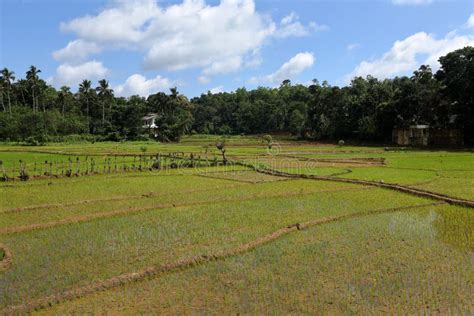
pixel 69 232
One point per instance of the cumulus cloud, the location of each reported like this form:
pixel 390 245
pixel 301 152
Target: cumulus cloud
pixel 291 26
pixel 72 75
pixel 217 89
pixel 224 66
pixel 353 46
pixel 122 23
pixel 408 54
pixel 185 35
pixel 138 84
pixel 411 2
pixel 296 65
pixel 218 38
pixel 470 21
pixel 76 51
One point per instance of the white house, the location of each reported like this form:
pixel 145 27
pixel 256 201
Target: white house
pixel 149 124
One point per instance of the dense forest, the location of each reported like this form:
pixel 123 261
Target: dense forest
pixel 367 109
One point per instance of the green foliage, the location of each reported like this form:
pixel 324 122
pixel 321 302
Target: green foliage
pixel 367 109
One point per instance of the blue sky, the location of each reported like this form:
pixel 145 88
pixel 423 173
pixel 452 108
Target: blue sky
pixel 146 46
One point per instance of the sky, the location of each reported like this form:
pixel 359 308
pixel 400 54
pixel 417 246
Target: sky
pixel 146 46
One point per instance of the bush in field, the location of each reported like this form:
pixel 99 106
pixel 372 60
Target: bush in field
pixel 38 140
pixel 268 140
pixel 3 175
pixel 23 173
pixel 220 145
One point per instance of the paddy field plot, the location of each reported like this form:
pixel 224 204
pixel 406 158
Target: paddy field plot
pixel 346 248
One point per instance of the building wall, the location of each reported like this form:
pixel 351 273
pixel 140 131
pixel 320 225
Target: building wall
pixel 427 137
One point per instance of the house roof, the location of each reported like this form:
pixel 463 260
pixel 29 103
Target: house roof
pixel 149 116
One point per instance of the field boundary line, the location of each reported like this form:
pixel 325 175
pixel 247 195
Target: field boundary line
pixel 380 162
pixel 392 186
pixel 157 270
pixel 7 260
pixel 245 181
pixel 144 195
pixel 121 212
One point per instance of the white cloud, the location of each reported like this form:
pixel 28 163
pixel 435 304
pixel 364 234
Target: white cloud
pixel 353 46
pixel 72 75
pixel 204 79
pixel 318 27
pixel 291 26
pixel 76 51
pixel 225 66
pixel 470 21
pixel 217 89
pixel 138 84
pixel 408 54
pixel 185 35
pixel 218 38
pixel 411 2
pixel 120 23
pixel 296 65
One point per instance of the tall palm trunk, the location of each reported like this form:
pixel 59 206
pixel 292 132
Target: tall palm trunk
pixel 9 103
pixel 87 113
pixel 33 93
pixel 23 97
pixel 3 103
pixel 103 113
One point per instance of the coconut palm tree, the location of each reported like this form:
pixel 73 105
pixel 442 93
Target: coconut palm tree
pixel 85 89
pixel 8 77
pixel 105 93
pixel 32 77
pixel 63 94
pixel 2 88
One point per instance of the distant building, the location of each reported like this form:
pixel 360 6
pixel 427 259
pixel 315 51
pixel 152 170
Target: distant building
pixel 149 124
pixel 423 135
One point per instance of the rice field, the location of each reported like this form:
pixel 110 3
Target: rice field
pixel 209 238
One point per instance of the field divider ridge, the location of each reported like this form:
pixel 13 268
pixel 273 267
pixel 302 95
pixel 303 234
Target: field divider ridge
pixel 155 271
pixel 144 195
pixel 103 215
pixel 392 186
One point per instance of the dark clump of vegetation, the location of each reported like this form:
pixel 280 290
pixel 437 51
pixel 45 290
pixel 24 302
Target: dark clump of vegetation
pixel 368 109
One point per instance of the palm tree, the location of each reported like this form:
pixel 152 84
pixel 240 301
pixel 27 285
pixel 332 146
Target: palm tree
pixel 7 78
pixel 22 88
pixel 32 77
pixel 2 88
pixel 85 89
pixel 63 95
pixel 105 94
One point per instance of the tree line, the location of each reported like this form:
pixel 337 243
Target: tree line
pixel 366 109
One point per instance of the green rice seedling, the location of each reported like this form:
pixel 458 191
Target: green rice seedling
pixel 390 263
